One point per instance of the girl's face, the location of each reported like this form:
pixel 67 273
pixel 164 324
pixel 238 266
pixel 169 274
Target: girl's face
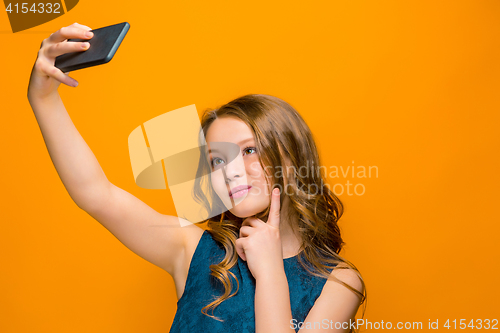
pixel 235 163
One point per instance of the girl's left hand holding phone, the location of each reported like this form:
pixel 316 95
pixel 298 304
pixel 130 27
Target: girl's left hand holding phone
pixel 260 243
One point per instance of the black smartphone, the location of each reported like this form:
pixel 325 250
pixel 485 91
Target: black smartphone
pixel 103 46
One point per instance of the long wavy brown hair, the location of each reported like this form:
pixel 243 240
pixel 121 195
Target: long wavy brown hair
pixel 283 142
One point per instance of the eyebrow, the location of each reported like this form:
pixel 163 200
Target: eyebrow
pixel 239 143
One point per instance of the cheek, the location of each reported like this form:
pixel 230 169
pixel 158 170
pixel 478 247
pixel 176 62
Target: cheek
pixel 255 170
pixel 218 184
pixel 258 177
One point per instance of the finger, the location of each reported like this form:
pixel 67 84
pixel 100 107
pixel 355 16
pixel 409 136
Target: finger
pixel 251 221
pixel 246 231
pixel 81 26
pixel 239 248
pixel 55 50
pixel 69 32
pixel 274 211
pixel 57 74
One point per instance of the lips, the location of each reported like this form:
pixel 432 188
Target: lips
pixel 238 189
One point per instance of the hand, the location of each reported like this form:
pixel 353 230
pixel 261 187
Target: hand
pixel 260 244
pixel 45 77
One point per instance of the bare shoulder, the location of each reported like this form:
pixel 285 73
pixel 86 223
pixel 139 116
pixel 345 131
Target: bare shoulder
pixel 345 274
pixel 336 301
pixel 192 236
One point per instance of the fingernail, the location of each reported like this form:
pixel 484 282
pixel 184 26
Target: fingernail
pixel 85 45
pixel 89 34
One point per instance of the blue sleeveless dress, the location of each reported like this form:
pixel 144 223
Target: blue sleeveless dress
pixel 238 312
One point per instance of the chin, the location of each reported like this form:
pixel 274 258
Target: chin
pixel 247 208
pixel 243 213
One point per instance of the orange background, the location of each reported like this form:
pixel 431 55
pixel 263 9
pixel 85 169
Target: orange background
pixel 409 87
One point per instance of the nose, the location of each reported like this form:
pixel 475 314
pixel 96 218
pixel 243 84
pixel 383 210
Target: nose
pixel 233 170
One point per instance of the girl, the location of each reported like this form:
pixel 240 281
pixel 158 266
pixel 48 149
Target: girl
pixel 270 263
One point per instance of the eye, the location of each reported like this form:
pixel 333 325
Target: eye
pixel 216 162
pixel 250 150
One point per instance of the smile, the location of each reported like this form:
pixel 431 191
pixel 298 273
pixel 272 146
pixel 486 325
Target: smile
pixel 239 191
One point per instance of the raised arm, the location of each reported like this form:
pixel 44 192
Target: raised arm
pixel 125 216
